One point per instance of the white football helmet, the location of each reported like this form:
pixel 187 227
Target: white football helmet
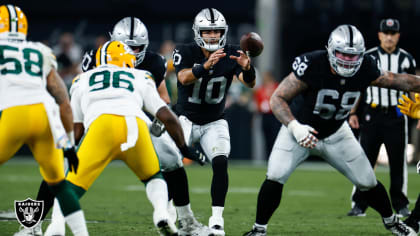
pixel 348 42
pixel 131 31
pixel 210 19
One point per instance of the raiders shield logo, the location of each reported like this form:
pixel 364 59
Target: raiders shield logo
pixel 29 212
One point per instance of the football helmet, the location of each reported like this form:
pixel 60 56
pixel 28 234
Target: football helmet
pixel 13 23
pixel 115 53
pixel 346 48
pixel 131 31
pixel 210 19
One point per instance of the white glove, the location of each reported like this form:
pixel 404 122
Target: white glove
pixel 304 134
pixel 418 167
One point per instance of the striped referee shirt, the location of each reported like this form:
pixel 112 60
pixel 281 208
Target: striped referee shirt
pixel 399 61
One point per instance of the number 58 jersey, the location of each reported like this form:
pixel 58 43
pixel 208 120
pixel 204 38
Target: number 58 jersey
pixel 110 89
pixel 24 68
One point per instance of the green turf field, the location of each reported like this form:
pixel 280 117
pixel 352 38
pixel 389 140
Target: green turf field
pixel 315 200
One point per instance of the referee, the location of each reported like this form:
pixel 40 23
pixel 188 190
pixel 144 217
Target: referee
pixel 382 122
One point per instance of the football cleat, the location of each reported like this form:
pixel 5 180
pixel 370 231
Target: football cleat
pixel 356 211
pixel 216 225
pixel 256 231
pixel 191 227
pixel 35 231
pixel 403 212
pixel 164 224
pixel 166 228
pixel 399 228
pixel 413 223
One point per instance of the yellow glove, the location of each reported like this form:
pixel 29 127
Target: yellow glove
pixel 410 108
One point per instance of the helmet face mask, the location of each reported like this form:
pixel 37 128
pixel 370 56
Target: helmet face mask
pixel 346 48
pixel 13 23
pixel 131 31
pixel 210 19
pixel 115 53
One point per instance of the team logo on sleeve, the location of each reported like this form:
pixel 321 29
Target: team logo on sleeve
pixel 28 212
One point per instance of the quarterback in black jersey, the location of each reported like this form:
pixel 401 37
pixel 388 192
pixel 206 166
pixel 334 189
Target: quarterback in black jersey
pixel 330 82
pixel 205 70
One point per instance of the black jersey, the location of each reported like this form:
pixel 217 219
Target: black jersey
pixel 153 62
pixel 329 97
pixel 204 100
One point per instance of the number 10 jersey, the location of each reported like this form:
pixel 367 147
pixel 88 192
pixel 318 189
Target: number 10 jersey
pixel 204 100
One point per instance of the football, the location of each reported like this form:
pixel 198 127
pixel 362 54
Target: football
pixel 251 42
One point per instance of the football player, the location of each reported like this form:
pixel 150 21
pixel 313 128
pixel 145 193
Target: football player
pixel 105 102
pixel 412 109
pixel 330 82
pixel 29 114
pixel 133 32
pixel 205 70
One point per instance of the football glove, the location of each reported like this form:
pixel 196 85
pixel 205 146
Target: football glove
pixel 304 134
pixel 157 128
pixel 70 154
pixel 194 154
pixel 409 107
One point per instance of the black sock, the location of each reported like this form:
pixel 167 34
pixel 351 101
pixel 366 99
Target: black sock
pixel 268 200
pixel 220 182
pixel 44 194
pixel 416 211
pixel 177 186
pixel 378 199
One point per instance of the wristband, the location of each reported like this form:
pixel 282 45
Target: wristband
pixel 352 114
pixel 184 150
pixel 70 135
pixel 248 75
pixel 199 71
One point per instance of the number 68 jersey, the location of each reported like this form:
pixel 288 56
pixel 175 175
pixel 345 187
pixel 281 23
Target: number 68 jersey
pixel 109 89
pixel 24 68
pixel 329 97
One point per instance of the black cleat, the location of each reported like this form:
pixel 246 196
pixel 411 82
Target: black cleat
pixel 356 211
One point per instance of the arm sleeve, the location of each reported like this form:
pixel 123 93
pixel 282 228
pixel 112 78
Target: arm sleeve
pixel 182 59
pixel 151 99
pixel 76 106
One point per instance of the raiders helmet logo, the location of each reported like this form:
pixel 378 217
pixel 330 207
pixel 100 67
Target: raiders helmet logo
pixel 29 212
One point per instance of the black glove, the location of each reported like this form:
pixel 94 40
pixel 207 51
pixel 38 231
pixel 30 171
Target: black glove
pixel 194 154
pixel 70 153
pixel 157 128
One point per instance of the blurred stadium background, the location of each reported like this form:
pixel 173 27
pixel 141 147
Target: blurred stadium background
pixel 288 28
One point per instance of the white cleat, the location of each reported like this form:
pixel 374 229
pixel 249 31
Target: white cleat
pixel 164 224
pixel 191 227
pixel 35 231
pixel 216 225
